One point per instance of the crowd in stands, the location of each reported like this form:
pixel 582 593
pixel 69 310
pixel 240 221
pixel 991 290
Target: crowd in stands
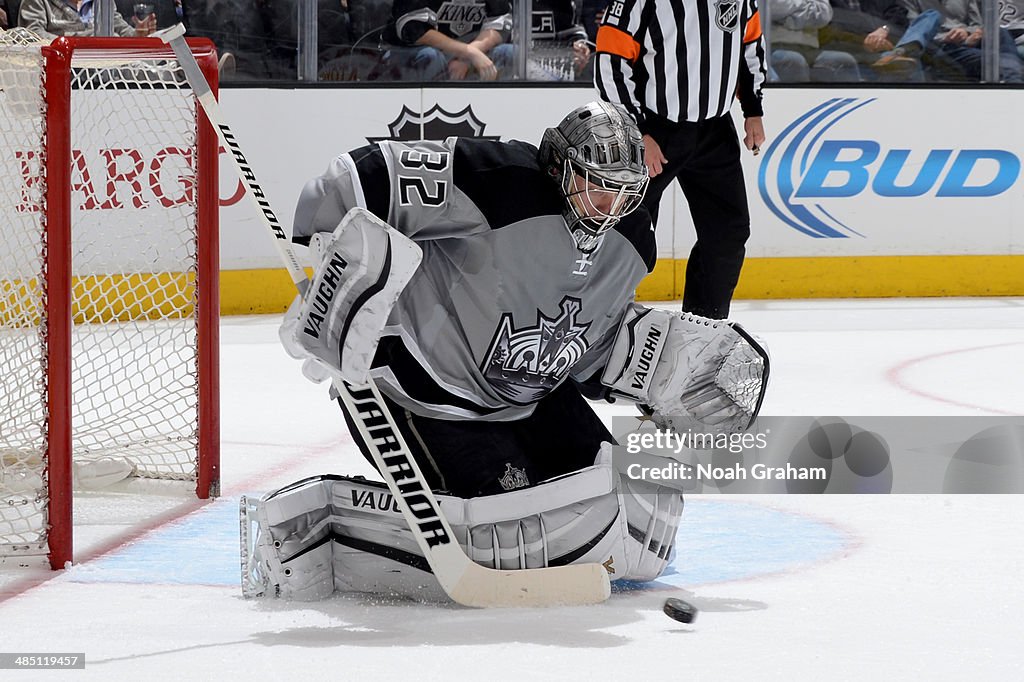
pixel 809 41
pixel 829 41
pixel 432 40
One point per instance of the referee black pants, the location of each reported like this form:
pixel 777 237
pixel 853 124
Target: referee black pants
pixel 704 157
pixel 472 458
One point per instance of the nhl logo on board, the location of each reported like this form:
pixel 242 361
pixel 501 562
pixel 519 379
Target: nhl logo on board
pixel 513 478
pixel 436 123
pixel 727 14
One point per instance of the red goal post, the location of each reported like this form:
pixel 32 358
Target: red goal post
pixel 109 267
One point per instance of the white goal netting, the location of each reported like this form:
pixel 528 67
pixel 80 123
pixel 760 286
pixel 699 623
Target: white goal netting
pixel 134 227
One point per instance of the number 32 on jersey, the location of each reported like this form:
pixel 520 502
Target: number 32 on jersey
pixel 422 178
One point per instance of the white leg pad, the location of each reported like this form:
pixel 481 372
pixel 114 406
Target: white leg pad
pixel 335 533
pixel 287 545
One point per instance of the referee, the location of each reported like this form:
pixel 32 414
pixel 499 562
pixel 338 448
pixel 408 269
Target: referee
pixel 676 65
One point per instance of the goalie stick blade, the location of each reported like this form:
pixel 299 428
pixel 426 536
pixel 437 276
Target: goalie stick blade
pixel 574 585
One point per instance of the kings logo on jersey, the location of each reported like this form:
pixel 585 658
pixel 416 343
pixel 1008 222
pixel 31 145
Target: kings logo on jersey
pixel 727 14
pixel 513 478
pixel 461 17
pixel 525 364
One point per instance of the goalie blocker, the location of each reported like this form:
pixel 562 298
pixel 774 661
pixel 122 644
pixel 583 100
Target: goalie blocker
pixel 361 270
pixel 328 533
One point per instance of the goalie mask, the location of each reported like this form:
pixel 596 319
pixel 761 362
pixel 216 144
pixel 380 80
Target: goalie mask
pixel 597 156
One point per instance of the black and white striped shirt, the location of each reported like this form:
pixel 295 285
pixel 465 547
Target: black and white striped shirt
pixel 684 60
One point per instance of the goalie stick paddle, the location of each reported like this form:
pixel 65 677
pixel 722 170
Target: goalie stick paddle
pixel 465 581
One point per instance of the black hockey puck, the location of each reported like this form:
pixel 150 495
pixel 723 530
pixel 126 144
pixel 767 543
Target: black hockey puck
pixel 679 610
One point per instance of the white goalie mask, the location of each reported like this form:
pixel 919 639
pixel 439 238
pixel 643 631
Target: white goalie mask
pixel 597 155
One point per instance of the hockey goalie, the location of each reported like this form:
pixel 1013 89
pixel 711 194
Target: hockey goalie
pixel 486 288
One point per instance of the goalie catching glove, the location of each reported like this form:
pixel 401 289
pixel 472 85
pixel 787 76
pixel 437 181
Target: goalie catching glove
pixel 693 373
pixel 364 266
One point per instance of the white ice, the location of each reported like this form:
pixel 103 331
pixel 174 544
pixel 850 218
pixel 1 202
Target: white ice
pixel 789 587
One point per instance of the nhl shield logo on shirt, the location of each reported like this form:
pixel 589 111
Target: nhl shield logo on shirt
pixel 727 15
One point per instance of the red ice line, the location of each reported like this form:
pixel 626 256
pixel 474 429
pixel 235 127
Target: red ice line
pixel 894 376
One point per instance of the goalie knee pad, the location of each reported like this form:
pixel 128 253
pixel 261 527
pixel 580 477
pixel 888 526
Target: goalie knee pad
pixel 594 515
pixel 348 534
pixel 652 514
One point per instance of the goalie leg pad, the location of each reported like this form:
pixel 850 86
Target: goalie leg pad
pixel 589 516
pixel 364 266
pixel 652 513
pixel 287 543
pixel 328 533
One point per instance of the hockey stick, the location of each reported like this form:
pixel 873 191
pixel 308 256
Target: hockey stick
pixel 465 581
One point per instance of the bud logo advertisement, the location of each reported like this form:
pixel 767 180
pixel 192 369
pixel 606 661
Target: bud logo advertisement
pixel 822 168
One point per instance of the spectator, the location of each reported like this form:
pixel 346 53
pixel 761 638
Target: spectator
pixel 439 39
pixel 334 23
pixel 259 34
pixel 167 12
pixel 349 38
pixel 865 29
pixel 795 52
pixel 944 32
pixel 8 14
pixel 52 18
pixel 591 14
pixel 559 49
pixel 335 38
pixel 1011 17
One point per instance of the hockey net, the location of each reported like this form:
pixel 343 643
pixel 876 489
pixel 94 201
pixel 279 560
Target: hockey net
pixel 108 276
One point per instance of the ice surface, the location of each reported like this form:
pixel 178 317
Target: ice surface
pixel 789 587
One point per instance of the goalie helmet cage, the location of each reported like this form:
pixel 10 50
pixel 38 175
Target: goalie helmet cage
pixel 109 264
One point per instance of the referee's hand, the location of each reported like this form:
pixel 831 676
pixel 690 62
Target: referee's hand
pixel 754 134
pixel 653 156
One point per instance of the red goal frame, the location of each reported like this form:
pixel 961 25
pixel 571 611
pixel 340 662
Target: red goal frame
pixel 58 57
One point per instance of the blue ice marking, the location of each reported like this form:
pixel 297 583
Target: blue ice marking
pixel 723 540
pixel 199 549
pixel 717 541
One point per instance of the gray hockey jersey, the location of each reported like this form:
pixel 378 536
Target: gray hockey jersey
pixel 504 307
